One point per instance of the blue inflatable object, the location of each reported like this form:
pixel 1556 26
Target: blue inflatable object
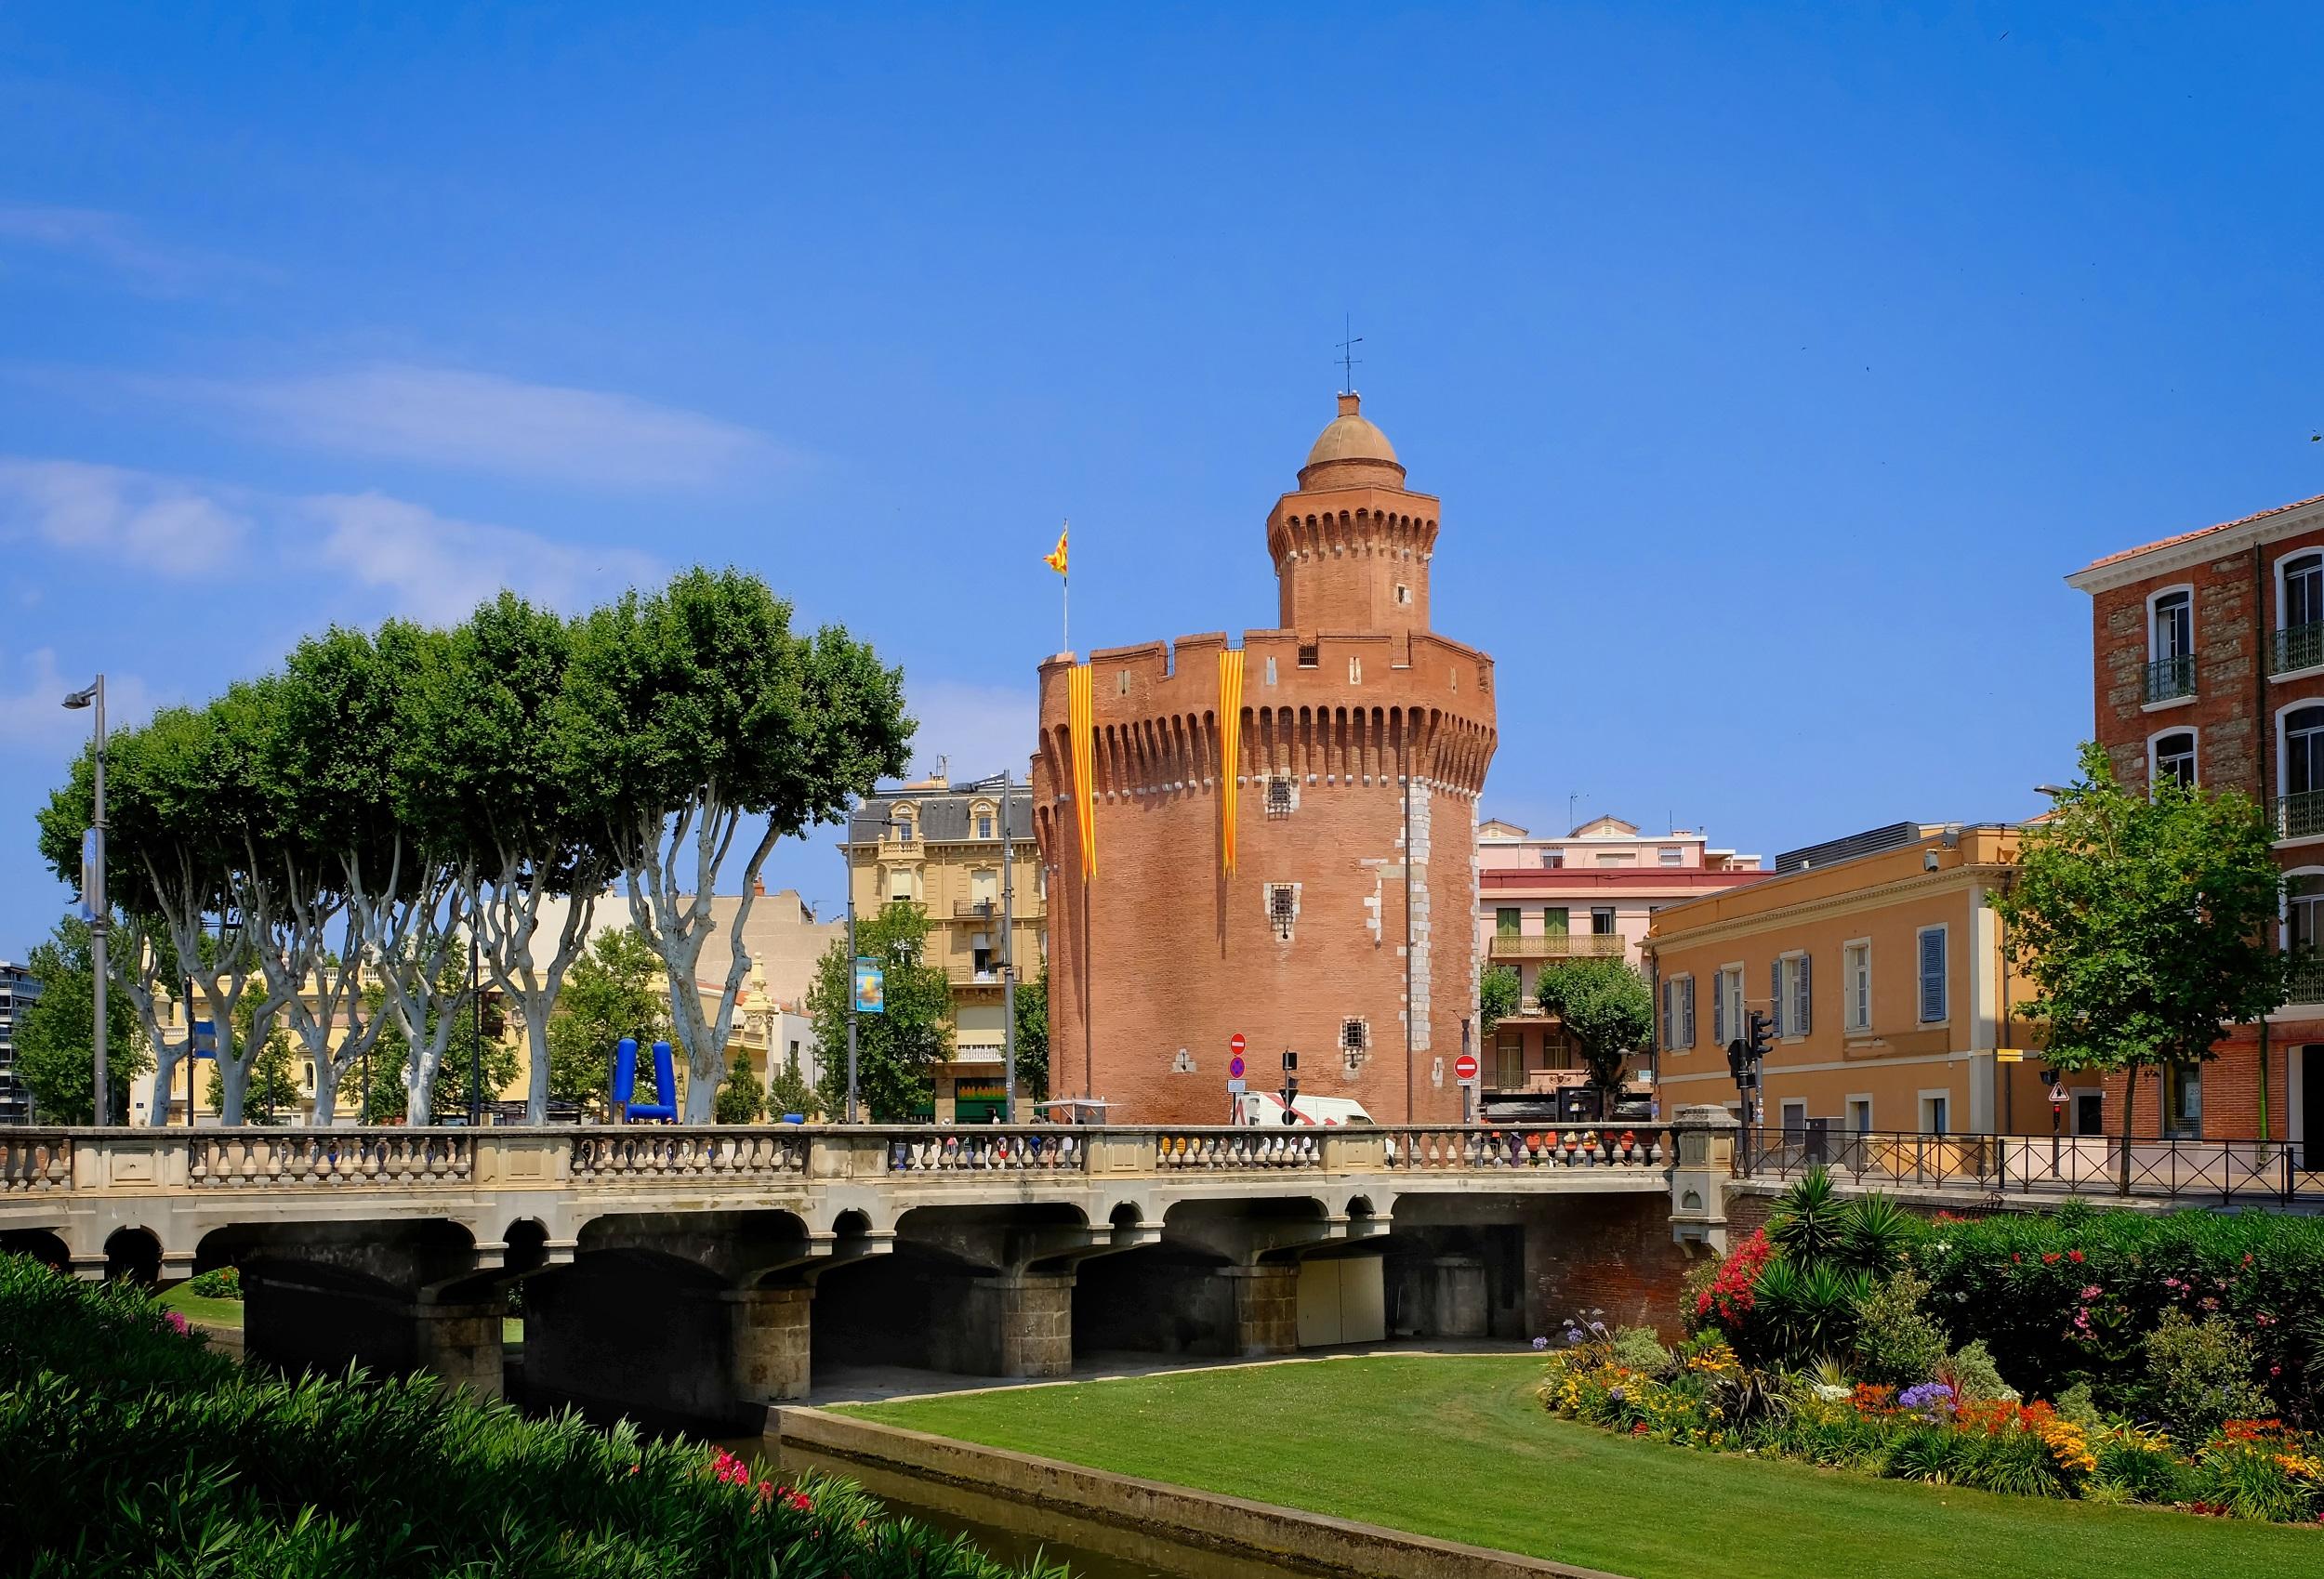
pixel 626 1082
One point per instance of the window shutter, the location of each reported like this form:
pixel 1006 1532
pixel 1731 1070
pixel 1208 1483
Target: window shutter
pixel 1719 1009
pixel 1804 1005
pixel 1670 1032
pixel 1932 976
pixel 1775 995
pixel 1686 1007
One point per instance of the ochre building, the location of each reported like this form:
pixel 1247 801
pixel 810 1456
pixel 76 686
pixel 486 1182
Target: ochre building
pixel 1276 839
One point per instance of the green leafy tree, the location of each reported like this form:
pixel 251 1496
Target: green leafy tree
pixel 56 1050
pixel 501 789
pixel 788 1091
pixel 699 725
pixel 1497 995
pixel 897 1051
pixel 1032 1040
pixel 2146 925
pixel 613 991
pixel 740 1099
pixel 1608 1009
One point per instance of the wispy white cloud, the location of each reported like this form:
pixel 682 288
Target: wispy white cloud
pixel 118 243
pixel 978 728
pixel 436 568
pixel 33 715
pixel 152 522
pixel 482 422
pixel 414 560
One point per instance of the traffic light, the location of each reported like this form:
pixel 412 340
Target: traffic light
pixel 1763 1041
pixel 1290 1086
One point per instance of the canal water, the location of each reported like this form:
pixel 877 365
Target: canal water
pixel 1016 1532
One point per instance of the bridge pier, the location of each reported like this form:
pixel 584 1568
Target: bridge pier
pixel 1006 1324
pixel 771 1330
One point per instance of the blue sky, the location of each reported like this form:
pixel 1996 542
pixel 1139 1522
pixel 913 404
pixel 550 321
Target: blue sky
pixel 1773 364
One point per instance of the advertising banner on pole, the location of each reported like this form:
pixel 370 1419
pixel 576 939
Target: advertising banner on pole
pixel 871 996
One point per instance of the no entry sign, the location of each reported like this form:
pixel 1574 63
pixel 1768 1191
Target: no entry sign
pixel 1465 1067
pixel 1235 1044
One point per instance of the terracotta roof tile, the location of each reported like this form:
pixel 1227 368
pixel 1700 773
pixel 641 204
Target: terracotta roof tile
pixel 2203 531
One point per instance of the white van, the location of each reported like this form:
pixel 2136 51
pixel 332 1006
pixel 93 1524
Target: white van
pixel 1266 1109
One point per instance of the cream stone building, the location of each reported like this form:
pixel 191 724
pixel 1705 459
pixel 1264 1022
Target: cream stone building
pixel 938 844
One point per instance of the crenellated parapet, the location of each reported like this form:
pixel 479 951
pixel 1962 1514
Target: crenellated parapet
pixel 1327 709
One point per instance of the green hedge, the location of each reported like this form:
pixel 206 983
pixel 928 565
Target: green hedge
pixel 129 1447
pixel 2071 1295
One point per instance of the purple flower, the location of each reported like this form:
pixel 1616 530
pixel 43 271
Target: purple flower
pixel 1935 1397
pixel 1540 1342
pixel 1616 1394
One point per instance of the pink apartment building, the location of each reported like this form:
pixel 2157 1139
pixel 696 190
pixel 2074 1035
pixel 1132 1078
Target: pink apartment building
pixel 1542 901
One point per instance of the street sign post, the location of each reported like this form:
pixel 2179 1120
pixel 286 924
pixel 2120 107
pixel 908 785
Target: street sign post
pixel 1235 1070
pixel 1465 1069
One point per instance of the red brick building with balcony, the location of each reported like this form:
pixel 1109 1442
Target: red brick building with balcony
pixel 2209 658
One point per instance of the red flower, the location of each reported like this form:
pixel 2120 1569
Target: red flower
pixel 2048 1257
pixel 2075 1256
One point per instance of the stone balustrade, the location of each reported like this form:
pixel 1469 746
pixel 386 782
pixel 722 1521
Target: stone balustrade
pixel 227 1159
pixel 1478 1147
pixel 37 1163
pixel 1049 1149
pixel 1218 1150
pixel 659 1151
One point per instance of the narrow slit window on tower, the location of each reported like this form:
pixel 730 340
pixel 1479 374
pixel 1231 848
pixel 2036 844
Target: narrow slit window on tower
pixel 1271 668
pixel 1404 593
pixel 1307 655
pixel 1124 681
pixel 1355 671
pixel 1278 797
pixel 1282 908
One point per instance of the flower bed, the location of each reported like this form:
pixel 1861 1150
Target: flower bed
pixel 132 1448
pixel 2175 1360
pixel 1705 1397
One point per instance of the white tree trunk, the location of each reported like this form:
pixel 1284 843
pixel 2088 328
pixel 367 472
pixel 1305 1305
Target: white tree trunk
pixel 679 923
pixel 507 920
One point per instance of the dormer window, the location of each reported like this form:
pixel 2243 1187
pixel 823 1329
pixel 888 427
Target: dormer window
pixel 983 816
pixel 903 825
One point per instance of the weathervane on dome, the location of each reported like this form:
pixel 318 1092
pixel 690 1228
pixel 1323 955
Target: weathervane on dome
pixel 1348 359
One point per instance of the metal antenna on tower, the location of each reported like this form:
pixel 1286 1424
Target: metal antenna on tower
pixel 1348 359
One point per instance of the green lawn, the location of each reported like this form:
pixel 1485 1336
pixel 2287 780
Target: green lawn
pixel 228 1312
pixel 1457 1447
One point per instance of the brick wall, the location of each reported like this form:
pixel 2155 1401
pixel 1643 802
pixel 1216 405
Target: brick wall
pixel 1611 1252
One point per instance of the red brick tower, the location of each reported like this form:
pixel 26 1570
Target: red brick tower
pixel 1362 740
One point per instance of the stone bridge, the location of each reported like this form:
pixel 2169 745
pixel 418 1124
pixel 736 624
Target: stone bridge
pixel 700 1274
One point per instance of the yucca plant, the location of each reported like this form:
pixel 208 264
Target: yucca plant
pixel 1874 1231
pixel 1809 1219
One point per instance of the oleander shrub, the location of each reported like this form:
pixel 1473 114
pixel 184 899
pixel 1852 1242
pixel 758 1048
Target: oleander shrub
pixel 132 1449
pixel 2072 1295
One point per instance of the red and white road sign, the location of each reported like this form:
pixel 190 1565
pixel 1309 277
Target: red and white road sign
pixel 1235 1068
pixel 1235 1044
pixel 1465 1067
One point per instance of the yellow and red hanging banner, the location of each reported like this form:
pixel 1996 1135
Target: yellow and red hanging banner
pixel 1230 749
pixel 1080 727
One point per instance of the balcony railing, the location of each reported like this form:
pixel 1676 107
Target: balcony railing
pixel 2307 977
pixel 2168 679
pixel 2298 647
pixel 976 910
pixel 2300 816
pixel 970 976
pixel 1566 945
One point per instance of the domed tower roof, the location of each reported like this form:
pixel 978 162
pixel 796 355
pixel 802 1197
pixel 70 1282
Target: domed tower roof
pixel 1351 453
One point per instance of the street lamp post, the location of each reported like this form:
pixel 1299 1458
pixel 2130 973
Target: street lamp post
pixel 94 898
